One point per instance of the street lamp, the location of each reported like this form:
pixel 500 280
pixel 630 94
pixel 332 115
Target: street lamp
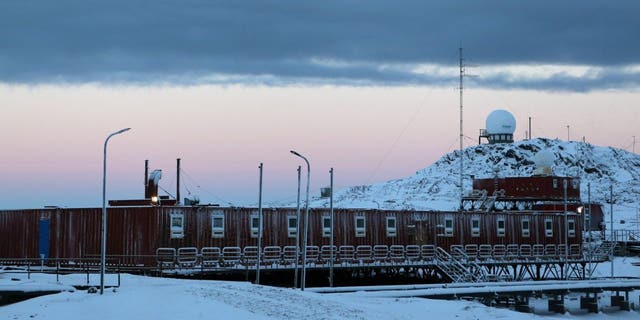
pixel 306 224
pixel 103 228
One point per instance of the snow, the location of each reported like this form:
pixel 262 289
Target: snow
pixel 436 187
pixel 161 298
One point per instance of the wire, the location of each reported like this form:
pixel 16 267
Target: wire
pixel 203 189
pixel 397 139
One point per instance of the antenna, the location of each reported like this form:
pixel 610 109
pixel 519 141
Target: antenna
pixel 461 132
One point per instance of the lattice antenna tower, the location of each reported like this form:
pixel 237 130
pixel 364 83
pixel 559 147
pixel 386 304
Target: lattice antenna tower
pixel 462 75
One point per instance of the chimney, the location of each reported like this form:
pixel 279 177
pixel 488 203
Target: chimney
pixel 146 175
pixel 178 181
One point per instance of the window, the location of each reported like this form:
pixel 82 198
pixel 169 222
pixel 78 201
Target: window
pixel 177 225
pixel 526 230
pixel 292 226
pixel 501 227
pixel 555 183
pixel 448 227
pixel 360 226
pixel 255 225
pixel 217 225
pixel 571 224
pixel 326 227
pixel 475 227
pixel 575 183
pixel 587 219
pixel 548 227
pixel 391 227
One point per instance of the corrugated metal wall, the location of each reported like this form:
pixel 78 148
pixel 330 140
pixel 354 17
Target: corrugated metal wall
pixel 139 231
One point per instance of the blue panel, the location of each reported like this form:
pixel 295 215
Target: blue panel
pixel 43 242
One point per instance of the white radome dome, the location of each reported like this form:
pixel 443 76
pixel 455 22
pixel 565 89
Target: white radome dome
pixel 501 122
pixel 544 160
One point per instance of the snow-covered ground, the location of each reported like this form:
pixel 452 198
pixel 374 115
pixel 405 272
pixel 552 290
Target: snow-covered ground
pixel 436 187
pixel 156 298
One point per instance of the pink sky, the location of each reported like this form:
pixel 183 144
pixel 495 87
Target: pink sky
pixel 52 136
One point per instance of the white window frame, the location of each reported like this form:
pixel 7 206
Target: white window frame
pixel 326 231
pixel 475 231
pixel 526 232
pixel 571 228
pixel 548 232
pixel 217 232
pixel 448 231
pixel 177 230
pixel 292 231
pixel 391 231
pixel 575 183
pixel 500 232
pixel 360 231
pixel 255 231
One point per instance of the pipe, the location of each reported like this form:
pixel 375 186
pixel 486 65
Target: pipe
pixel 178 181
pixel 146 177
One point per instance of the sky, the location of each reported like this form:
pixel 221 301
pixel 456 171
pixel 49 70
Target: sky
pixel 366 87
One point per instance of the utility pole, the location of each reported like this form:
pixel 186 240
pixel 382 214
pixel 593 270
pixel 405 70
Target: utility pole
pixel 611 224
pixel 331 240
pixel 568 136
pixel 529 128
pixel 259 226
pixel 566 232
pixel 589 237
pixel 634 144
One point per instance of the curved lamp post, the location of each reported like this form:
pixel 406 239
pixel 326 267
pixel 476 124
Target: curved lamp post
pixel 103 228
pixel 306 224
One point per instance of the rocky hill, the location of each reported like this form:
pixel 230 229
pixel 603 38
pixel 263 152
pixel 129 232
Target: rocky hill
pixel 437 186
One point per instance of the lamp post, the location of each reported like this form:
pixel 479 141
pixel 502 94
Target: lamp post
pixel 295 276
pixel 306 224
pixel 103 251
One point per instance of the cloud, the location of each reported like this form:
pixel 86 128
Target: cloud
pixel 338 42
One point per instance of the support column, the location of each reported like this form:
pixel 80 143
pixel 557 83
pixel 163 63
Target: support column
pixel 589 303
pixel 557 304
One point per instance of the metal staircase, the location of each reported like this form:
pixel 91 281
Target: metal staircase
pixel 459 268
pixel 601 252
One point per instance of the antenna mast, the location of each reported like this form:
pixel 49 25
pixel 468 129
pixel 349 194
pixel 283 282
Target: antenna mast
pixel 461 133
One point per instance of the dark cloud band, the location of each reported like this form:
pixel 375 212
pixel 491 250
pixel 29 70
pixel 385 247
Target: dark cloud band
pixel 279 42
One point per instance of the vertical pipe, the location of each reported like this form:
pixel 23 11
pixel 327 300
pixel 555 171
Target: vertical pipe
pixel 146 178
pixel 146 171
pixel 295 277
pixel 529 128
pixel 331 240
pixel 611 224
pixel 259 227
pixel 177 181
pixel 566 232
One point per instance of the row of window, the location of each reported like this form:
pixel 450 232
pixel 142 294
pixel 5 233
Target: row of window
pixel 501 227
pixel 217 226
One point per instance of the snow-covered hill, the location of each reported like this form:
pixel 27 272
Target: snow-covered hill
pixel 437 186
